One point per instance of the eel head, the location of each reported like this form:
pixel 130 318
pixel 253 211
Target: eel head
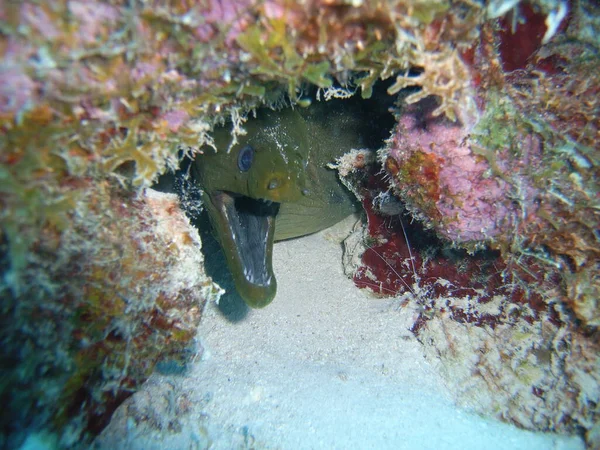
pixel 243 187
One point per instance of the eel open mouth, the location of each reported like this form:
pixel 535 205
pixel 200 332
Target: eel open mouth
pixel 246 229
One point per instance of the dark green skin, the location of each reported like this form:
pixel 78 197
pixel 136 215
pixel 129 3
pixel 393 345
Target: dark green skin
pixel 292 150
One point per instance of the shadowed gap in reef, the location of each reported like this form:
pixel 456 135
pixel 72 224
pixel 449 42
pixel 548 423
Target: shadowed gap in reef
pixel 378 121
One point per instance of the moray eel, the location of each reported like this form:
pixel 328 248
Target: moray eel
pixel 274 184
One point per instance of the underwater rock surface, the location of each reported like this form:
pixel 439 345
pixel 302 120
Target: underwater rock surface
pixel 508 347
pixel 495 150
pixel 97 307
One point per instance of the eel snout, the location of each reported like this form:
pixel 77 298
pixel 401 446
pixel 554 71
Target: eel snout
pixel 246 229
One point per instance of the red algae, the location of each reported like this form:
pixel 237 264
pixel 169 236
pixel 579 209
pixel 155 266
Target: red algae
pixel 519 40
pixel 403 258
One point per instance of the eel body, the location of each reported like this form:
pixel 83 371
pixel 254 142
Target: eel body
pixel 274 184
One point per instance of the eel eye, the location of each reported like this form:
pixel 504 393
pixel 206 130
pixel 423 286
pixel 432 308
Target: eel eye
pixel 245 157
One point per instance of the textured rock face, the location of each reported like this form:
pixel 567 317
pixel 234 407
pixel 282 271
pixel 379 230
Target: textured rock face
pixel 496 144
pixel 120 289
pixel 504 351
pixel 515 326
pixel 536 375
pixel 519 177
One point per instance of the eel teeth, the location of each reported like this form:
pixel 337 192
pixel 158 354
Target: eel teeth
pixel 248 275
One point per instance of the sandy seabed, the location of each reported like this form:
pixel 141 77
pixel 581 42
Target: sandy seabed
pixel 325 366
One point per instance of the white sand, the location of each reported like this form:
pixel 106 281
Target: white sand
pixel 324 366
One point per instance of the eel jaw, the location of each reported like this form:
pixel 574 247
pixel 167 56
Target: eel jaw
pixel 245 228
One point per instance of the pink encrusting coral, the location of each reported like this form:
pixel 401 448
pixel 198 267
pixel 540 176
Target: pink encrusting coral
pixel 36 17
pixel 175 119
pixel 228 18
pixel 458 196
pixel 501 325
pixel 94 20
pixel 488 180
pixel 455 185
pixel 17 89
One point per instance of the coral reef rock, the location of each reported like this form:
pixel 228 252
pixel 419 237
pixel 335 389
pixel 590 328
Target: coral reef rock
pixel 494 150
pixel 94 309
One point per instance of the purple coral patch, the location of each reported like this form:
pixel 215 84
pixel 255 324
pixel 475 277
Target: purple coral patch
pixel 17 89
pixel 471 203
